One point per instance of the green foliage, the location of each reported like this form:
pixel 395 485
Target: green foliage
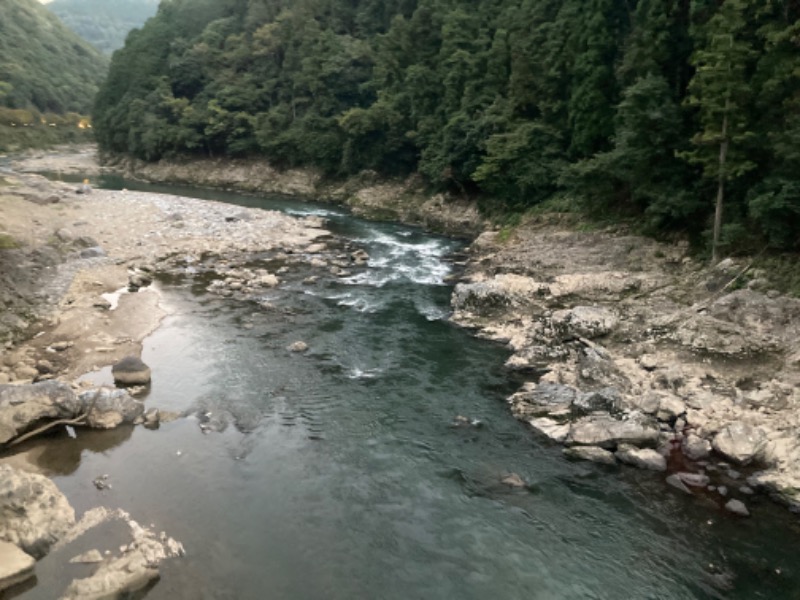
pixel 7 242
pixel 617 108
pixel 44 65
pixel 104 23
pixel 27 128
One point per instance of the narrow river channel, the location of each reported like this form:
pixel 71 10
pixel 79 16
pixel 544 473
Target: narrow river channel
pixel 338 474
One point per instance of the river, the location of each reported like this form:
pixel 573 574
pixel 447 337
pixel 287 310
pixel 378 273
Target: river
pixel 338 473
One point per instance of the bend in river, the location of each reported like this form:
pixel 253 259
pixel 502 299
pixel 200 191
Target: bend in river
pixel 339 472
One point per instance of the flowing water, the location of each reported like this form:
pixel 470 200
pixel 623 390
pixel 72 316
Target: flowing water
pixel 338 474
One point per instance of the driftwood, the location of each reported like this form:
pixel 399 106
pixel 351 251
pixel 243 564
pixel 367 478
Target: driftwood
pixel 80 420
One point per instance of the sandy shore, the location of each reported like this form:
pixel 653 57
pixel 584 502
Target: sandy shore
pixel 66 280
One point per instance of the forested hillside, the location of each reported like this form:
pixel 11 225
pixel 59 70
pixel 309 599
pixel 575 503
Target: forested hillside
pixel 44 65
pixel 104 23
pixel 655 109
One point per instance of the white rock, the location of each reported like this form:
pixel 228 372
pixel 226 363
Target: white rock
pixel 591 453
pixel 695 448
pixel 550 428
pixel 644 458
pixel 15 565
pixel 737 507
pixel 740 443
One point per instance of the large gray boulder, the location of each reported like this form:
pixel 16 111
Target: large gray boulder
pixel 584 321
pixel 34 514
pixel 550 428
pixel 15 565
pixel 23 405
pixel 643 458
pixel 131 371
pixel 592 454
pixel 607 432
pixel 741 443
pixel 695 447
pixel 497 295
pixel 108 407
pixel 542 399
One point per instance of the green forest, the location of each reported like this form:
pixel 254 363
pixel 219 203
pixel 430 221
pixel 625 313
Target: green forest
pixel 43 65
pixel 104 23
pixel 657 110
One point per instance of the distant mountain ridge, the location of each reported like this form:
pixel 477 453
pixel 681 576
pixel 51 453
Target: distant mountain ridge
pixel 104 23
pixel 43 64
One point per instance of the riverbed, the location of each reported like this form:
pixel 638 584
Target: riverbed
pixel 340 472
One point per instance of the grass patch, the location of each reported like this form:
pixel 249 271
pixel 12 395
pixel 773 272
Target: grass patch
pixel 783 272
pixel 7 242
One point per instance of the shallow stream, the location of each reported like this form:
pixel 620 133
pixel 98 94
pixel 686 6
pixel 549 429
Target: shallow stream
pixel 337 474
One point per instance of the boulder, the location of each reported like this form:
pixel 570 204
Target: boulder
pixel 497 294
pixel 298 346
pixel 584 321
pixel 543 399
pixel 21 406
pixel 670 407
pixel 591 453
pixel 643 458
pixel 108 407
pixel 131 371
pixel 15 565
pixel 607 432
pixel 695 447
pixel 741 443
pixel 268 280
pixel 550 428
pixel 34 514
pixel 606 399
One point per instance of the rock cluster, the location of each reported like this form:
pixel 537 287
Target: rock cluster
pixel 34 514
pixel 35 517
pixel 633 359
pixel 24 406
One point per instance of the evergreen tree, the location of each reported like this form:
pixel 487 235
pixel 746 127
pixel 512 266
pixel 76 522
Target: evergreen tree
pixel 721 92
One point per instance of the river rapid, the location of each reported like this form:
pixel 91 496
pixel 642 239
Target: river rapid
pixel 338 473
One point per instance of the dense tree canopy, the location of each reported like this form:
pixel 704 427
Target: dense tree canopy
pixel 44 65
pixel 649 108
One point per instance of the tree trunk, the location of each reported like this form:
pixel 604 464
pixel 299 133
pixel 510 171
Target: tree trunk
pixel 723 152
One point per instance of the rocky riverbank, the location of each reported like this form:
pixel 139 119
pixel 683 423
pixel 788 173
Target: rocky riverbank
pixel 367 195
pixel 638 354
pixel 635 353
pixel 79 292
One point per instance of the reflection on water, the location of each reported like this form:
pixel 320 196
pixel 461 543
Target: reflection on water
pixel 57 453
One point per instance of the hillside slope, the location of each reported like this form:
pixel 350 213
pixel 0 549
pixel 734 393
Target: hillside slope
pixel 659 112
pixel 104 23
pixel 44 65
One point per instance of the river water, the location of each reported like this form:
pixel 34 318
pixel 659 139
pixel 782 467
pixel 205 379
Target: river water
pixel 337 474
